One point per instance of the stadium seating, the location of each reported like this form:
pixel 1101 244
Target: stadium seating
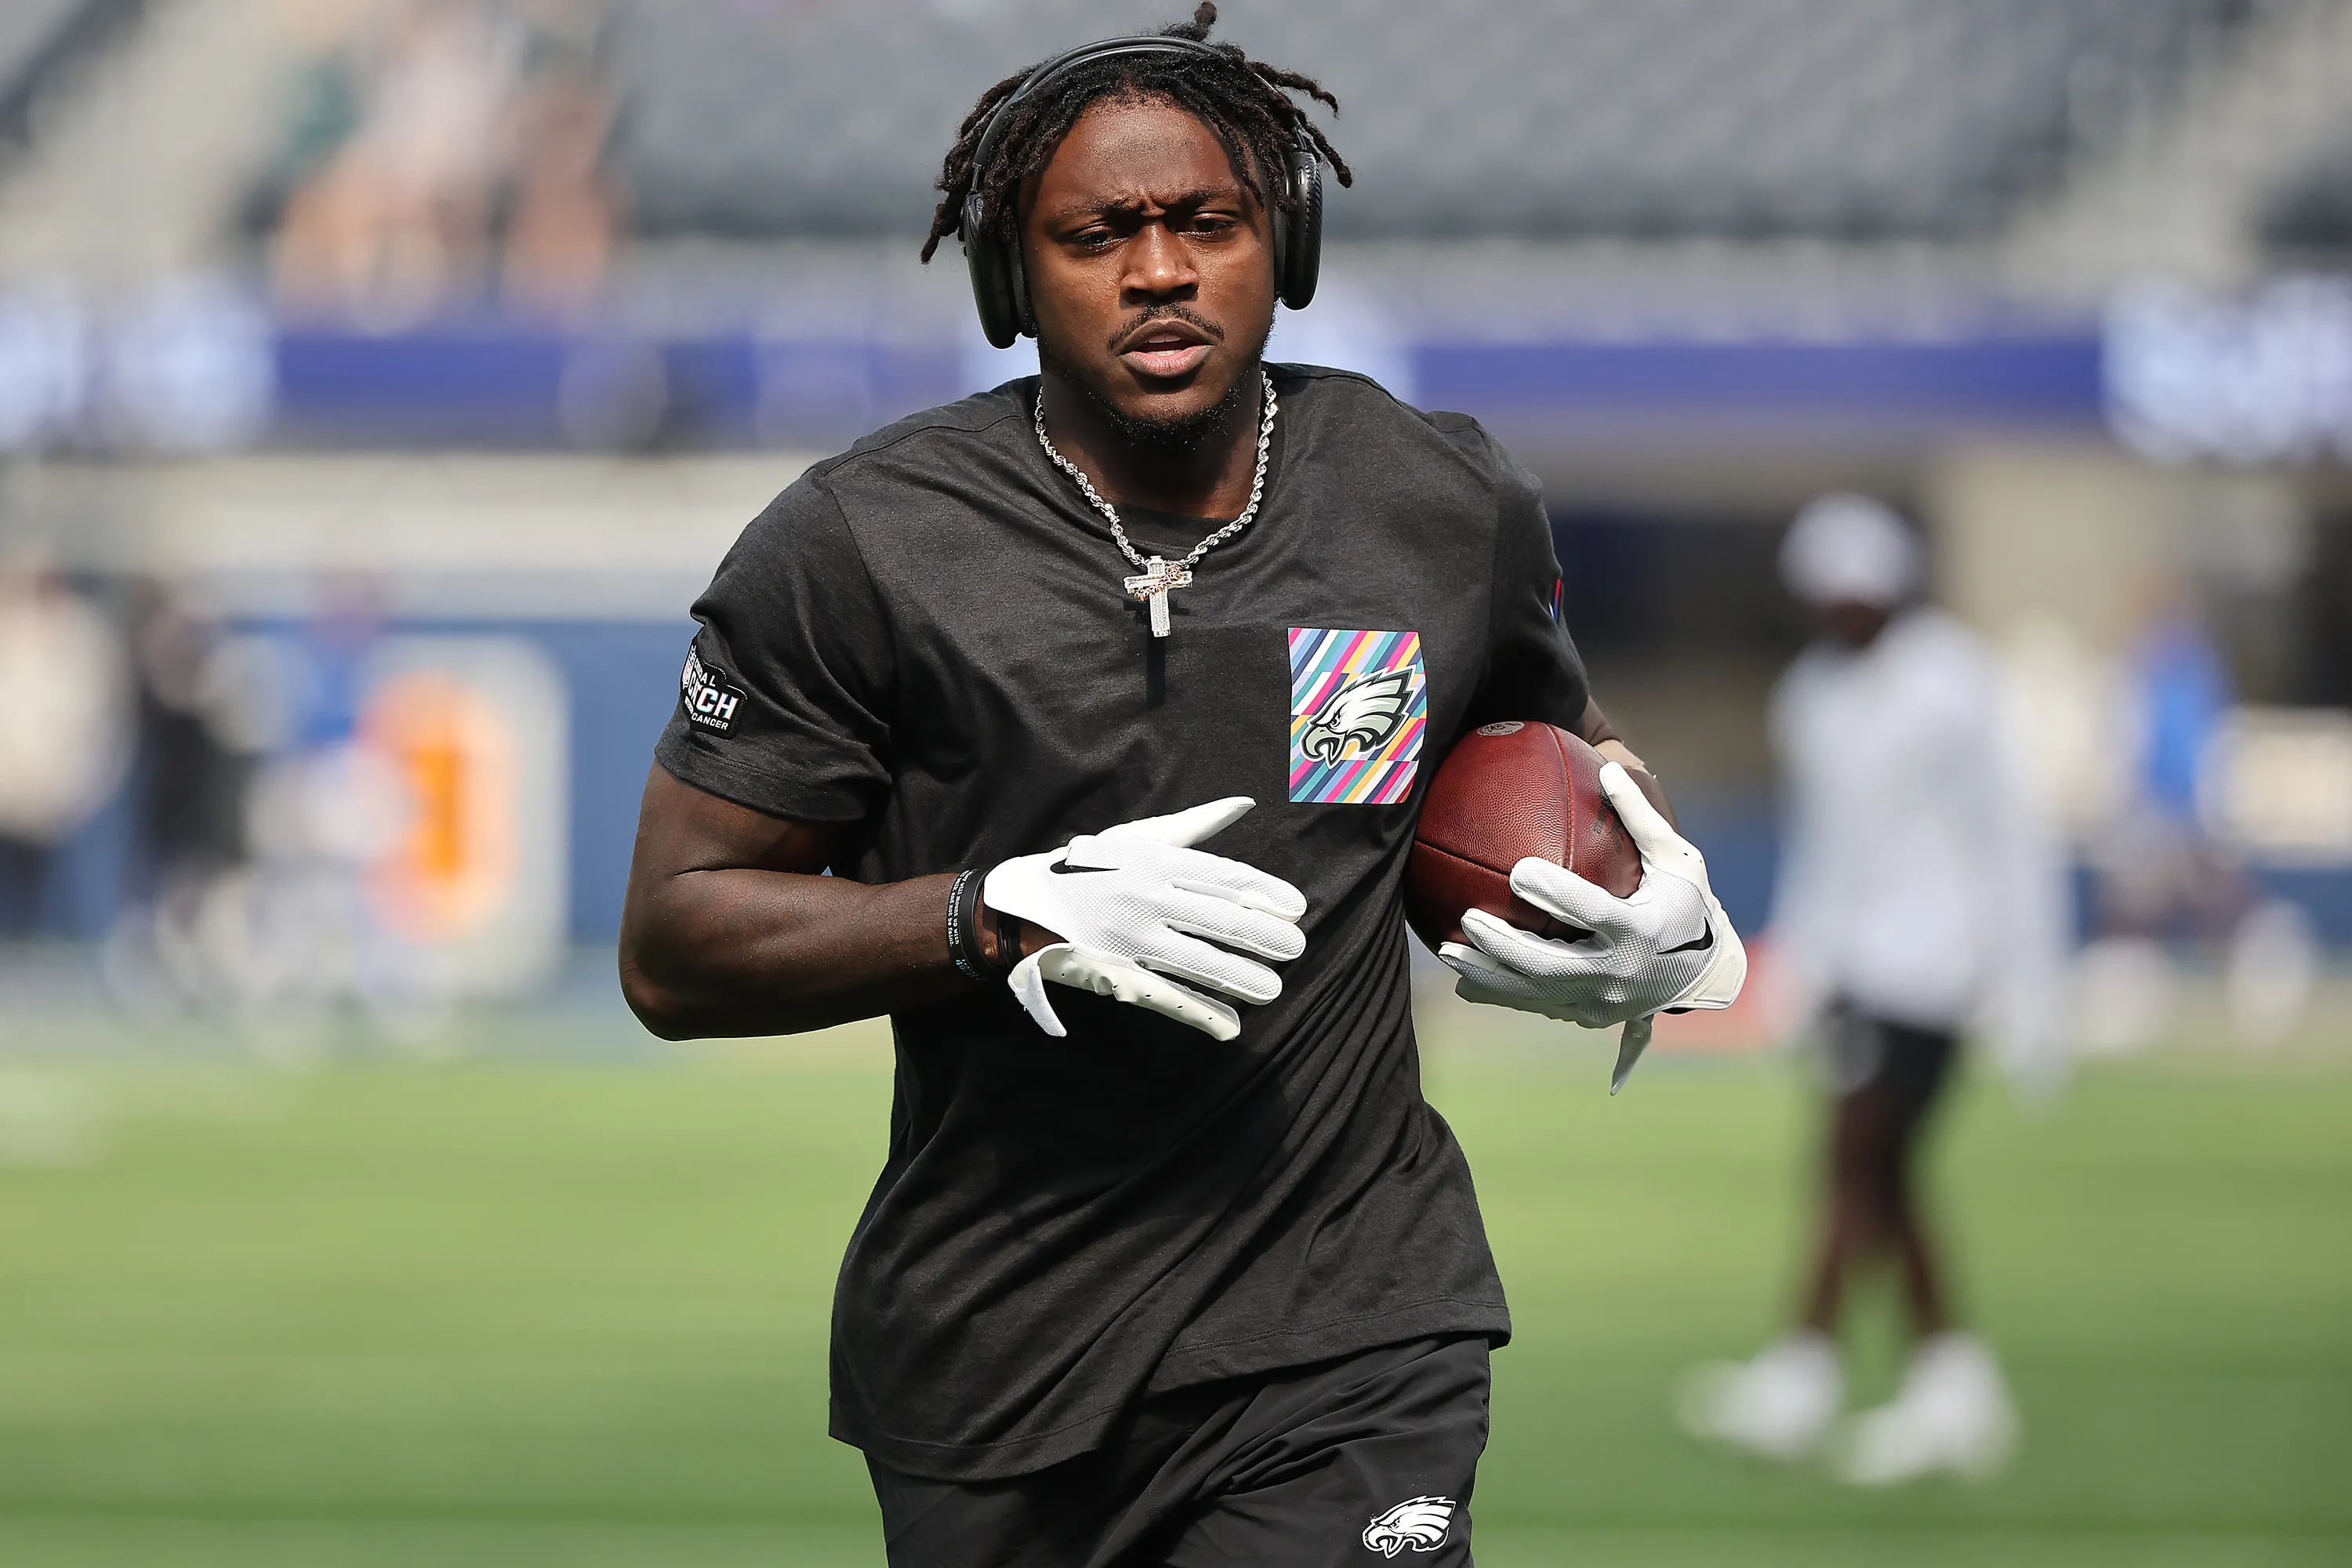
pixel 37 39
pixel 1904 118
pixel 2310 215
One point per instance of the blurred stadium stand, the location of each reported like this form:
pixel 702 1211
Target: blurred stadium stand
pixel 39 42
pixel 2183 194
pixel 149 127
pixel 1842 117
pixel 1805 216
pixel 2309 218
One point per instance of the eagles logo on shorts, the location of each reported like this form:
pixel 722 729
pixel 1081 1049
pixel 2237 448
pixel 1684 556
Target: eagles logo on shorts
pixel 1419 1524
pixel 1358 706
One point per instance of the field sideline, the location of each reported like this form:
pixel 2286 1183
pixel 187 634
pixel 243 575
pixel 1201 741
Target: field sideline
pixel 515 1313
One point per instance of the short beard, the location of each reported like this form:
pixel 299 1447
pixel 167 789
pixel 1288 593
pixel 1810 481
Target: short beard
pixel 1177 435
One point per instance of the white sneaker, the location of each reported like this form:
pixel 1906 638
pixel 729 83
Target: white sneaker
pixel 1778 1404
pixel 1952 1416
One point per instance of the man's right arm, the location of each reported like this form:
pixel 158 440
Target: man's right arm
pixel 730 928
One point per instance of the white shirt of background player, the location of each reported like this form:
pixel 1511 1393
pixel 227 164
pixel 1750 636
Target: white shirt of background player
pixel 1918 877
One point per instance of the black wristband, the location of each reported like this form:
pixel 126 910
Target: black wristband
pixel 1007 930
pixel 963 926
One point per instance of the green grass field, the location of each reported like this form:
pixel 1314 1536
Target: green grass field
pixel 516 1313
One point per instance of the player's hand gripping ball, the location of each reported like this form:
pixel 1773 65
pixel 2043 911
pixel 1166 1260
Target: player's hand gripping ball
pixel 1594 955
pixel 1507 792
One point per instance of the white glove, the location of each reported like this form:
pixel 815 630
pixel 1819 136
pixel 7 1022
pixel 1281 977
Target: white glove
pixel 1132 905
pixel 1668 946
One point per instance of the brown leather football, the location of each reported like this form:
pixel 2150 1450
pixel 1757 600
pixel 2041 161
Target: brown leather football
pixel 1507 791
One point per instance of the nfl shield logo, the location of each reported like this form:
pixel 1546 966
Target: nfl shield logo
pixel 1358 706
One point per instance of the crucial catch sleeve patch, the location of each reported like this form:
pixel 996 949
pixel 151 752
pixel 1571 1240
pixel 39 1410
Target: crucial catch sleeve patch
pixel 705 697
pixel 1358 708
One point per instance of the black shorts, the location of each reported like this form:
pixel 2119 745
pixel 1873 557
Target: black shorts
pixel 1354 1461
pixel 1902 1062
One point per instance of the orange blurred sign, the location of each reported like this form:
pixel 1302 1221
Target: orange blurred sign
pixel 470 735
pixel 454 862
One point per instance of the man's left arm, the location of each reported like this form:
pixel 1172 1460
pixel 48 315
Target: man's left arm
pixel 1669 945
pixel 1597 733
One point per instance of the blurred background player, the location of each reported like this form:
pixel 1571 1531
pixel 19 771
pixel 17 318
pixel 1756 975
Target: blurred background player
pixel 61 733
pixel 1918 896
pixel 2167 887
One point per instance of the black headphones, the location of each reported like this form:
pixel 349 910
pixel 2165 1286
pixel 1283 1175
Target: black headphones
pixel 1000 289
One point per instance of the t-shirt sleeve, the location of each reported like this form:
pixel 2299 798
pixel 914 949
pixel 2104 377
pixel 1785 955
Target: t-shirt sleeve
pixel 1532 670
pixel 785 703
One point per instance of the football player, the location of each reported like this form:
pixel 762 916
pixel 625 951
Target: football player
pixel 1107 697
pixel 1918 895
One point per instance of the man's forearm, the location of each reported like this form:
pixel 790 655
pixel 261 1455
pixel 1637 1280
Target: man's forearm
pixel 734 951
pixel 1596 732
pixel 729 929
pixel 1618 752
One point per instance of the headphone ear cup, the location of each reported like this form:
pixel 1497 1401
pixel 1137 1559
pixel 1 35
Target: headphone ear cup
pixel 1016 285
pixel 1300 255
pixel 994 287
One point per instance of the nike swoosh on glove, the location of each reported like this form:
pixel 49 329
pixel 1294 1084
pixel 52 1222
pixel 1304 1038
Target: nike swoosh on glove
pixel 1667 946
pixel 1146 918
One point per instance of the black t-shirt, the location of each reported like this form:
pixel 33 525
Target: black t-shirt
pixel 927 637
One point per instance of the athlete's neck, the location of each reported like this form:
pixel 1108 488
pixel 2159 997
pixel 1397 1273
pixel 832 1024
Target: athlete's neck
pixel 1210 477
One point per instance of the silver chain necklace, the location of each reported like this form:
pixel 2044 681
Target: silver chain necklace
pixel 1158 577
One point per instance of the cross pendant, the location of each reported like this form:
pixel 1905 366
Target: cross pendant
pixel 1152 587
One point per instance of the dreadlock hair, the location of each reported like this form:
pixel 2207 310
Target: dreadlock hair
pixel 1246 103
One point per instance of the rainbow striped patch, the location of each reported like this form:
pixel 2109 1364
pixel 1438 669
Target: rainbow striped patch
pixel 1358 706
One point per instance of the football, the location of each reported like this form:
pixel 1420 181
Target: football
pixel 1507 791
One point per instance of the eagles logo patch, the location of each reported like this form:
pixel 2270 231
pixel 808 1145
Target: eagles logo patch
pixel 1420 1524
pixel 1358 705
pixel 1359 716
